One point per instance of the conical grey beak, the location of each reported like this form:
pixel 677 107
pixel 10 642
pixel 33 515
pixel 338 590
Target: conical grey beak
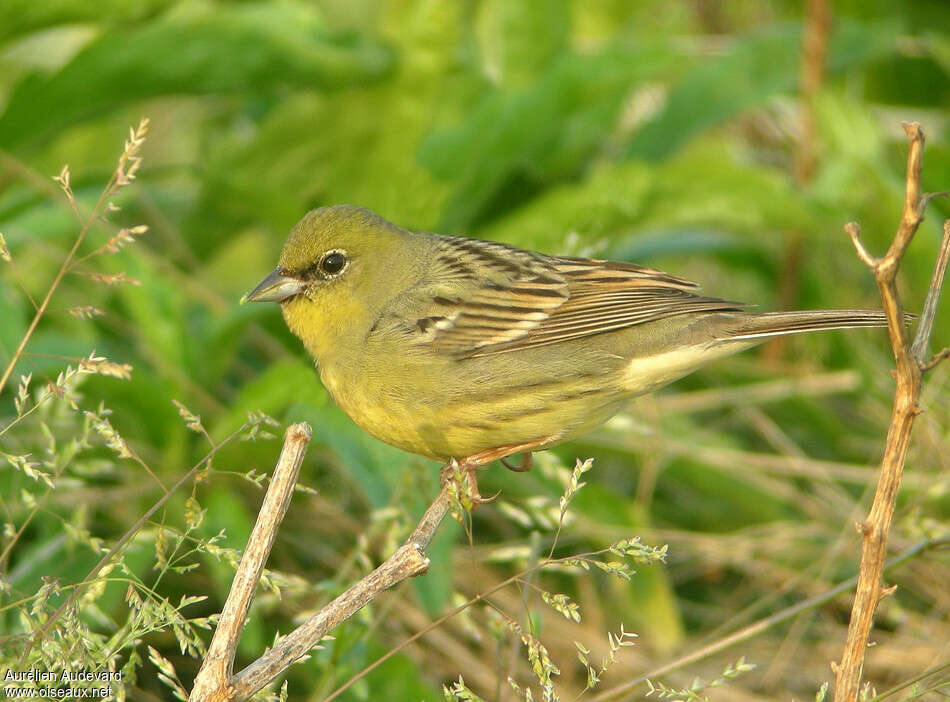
pixel 274 288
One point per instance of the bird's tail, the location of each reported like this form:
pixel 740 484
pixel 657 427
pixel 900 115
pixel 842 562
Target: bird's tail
pixel 759 326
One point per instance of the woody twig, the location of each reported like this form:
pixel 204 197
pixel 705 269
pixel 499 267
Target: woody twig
pixel 912 361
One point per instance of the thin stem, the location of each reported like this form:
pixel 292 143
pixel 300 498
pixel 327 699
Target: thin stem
pixel 124 173
pixel 929 313
pixel 125 538
pixel 758 627
pixel 907 683
pixel 63 269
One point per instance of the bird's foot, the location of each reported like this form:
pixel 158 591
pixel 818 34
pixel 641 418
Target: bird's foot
pixel 462 471
pixel 460 475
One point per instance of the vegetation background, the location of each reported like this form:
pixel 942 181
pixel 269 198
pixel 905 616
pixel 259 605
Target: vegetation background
pixel 686 135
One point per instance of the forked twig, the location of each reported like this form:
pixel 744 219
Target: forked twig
pixel 910 367
pixel 215 673
pixel 215 681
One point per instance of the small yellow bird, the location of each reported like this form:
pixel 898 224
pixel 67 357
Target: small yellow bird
pixel 460 348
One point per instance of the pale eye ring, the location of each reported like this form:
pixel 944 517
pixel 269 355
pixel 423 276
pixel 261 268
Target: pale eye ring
pixel 333 262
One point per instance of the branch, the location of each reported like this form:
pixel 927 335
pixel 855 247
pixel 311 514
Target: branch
pixel 875 528
pixel 215 682
pixel 215 673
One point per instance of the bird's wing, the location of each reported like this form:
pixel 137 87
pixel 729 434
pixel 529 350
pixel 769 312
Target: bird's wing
pixel 492 298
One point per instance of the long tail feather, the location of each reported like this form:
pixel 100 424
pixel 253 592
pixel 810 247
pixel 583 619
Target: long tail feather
pixel 757 326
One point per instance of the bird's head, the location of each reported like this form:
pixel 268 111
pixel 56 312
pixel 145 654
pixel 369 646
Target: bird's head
pixel 337 267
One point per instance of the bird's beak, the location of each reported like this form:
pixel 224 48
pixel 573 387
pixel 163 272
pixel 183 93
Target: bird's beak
pixel 274 288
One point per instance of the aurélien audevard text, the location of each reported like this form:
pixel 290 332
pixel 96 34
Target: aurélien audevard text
pixel 37 675
pixel 65 684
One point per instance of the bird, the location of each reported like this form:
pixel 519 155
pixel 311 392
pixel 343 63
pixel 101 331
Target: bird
pixel 469 350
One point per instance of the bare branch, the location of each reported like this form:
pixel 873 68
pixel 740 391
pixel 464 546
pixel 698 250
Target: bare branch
pixel 913 213
pixel 854 231
pixel 941 355
pixel 875 528
pixel 217 684
pixel 216 669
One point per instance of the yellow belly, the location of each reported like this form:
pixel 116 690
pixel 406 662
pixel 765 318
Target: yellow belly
pixel 467 421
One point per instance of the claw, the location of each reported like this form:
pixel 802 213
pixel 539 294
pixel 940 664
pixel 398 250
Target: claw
pixel 470 463
pixel 464 470
pixel 487 500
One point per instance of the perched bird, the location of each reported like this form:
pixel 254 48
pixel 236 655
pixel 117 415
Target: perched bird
pixel 460 348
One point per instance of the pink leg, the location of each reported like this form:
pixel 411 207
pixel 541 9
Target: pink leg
pixel 471 463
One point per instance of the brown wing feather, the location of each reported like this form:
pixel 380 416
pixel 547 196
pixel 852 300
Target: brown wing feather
pixel 486 293
pixel 493 298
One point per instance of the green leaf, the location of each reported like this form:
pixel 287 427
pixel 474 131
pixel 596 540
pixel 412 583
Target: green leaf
pixel 519 39
pixel 18 17
pixel 704 198
pixel 159 312
pixel 541 133
pixel 13 319
pixel 369 463
pixel 435 589
pixel 282 384
pixel 757 68
pixel 303 154
pixel 226 511
pixel 268 47
pixel 401 677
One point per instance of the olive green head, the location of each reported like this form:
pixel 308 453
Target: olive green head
pixel 338 265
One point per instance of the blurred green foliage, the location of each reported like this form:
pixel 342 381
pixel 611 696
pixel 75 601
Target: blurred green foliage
pixel 662 132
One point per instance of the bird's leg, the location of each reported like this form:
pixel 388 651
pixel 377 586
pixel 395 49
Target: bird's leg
pixel 523 466
pixel 499 452
pixel 468 465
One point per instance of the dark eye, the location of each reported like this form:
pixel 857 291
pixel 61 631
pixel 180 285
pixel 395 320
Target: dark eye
pixel 332 263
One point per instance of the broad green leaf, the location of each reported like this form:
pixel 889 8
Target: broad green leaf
pixel 519 39
pixel 704 197
pixel 272 391
pixel 370 464
pixel 269 47
pixel 435 589
pixel 753 70
pixel 304 154
pixel 159 312
pixel 400 677
pixel 18 17
pixel 226 511
pixel 540 134
pixel 13 319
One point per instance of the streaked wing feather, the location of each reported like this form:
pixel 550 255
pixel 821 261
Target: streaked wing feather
pixel 493 298
pixel 489 293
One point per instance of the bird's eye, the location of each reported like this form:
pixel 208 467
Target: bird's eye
pixel 332 262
